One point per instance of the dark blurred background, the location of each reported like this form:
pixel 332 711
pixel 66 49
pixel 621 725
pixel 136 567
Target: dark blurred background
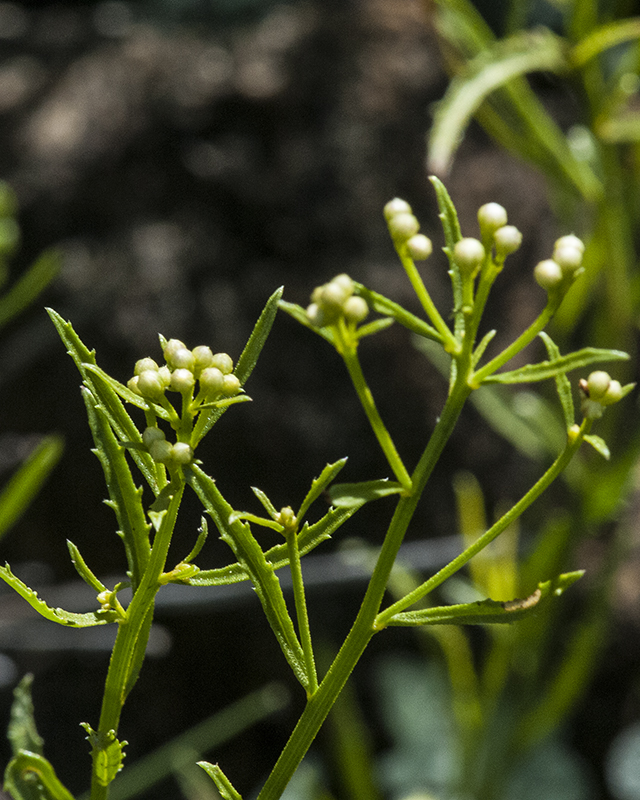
pixel 187 158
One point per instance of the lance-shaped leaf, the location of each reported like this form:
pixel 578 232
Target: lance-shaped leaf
pixel 345 495
pixel 124 497
pixel 563 386
pixel 29 776
pixel 260 571
pixel 103 391
pixel 59 615
pixel 382 304
pixel 550 369
pixel 319 484
pixel 25 290
pixel 532 51
pixel 26 482
pixel 22 732
pixel 223 784
pixel 486 612
pixel 452 234
pixel 599 445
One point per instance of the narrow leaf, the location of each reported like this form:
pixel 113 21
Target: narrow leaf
pixel 58 615
pixel 300 315
pixel 381 304
pixel 602 38
pixel 489 611
pixel 22 731
pixel 376 326
pixel 83 570
pixel 266 503
pixel 29 286
pixel 319 484
pixel 598 444
pixel 549 369
pixel 26 482
pixel 256 342
pixel 223 784
pixel 30 776
pixel 563 385
pixel 345 495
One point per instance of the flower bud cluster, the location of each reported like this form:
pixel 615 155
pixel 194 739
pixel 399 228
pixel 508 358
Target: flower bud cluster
pixel 163 452
pixel 404 227
pixel 183 368
pixel 564 266
pixel 336 299
pixel 492 218
pixel 599 391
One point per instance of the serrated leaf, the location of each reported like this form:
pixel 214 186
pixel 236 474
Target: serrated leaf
pixel 530 51
pixel 59 615
pixel 22 732
pixel 108 754
pixel 29 776
pixel 24 484
pixel 598 444
pixel 223 784
pixel 550 369
pixel 346 495
pixel 452 234
pixel 486 612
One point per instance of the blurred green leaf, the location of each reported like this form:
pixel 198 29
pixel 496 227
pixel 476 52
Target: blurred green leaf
pixel 30 776
pixel 29 285
pixel 22 732
pixel 346 495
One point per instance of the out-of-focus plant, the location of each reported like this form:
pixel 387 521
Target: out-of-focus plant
pixel 163 447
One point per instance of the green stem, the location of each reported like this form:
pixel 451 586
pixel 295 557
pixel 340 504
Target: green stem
pixel 131 637
pixel 572 446
pixel 350 356
pixel 301 610
pixel 363 628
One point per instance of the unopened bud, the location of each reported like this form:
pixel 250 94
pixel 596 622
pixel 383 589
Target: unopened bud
pixel 315 315
pixel 230 385
pixel 171 348
pixel 181 453
pixel 182 380
pixel 211 381
pixel 355 309
pixel 419 247
pixel 491 216
pixel 403 226
pixel 507 240
pixel 548 274
pixel 568 257
pixel 144 364
pixel 396 206
pixel 202 358
pixel 598 383
pixel 468 254
pixel 223 362
pixel 152 434
pixel 150 384
pixel 161 451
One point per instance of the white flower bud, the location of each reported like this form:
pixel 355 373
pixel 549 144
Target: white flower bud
pixel 491 216
pixel 182 380
pixel 568 257
pixel 161 451
pixel 144 364
pixel 345 282
pixel 287 518
pixel 181 358
pixel 613 395
pixel 152 434
pixel 468 254
pixel 171 347
pixel 548 274
pixel 165 376
pixel 419 247
pixel 230 385
pixel 203 358
pixel 396 206
pixel 355 309
pixel 570 241
pixel 132 384
pixel 316 315
pixel 598 383
pixel 507 240
pixel 211 381
pixel 403 226
pixel 223 362
pixel 150 384
pixel 181 453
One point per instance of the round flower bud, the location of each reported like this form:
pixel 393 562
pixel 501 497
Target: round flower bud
pixel 419 247
pixel 468 254
pixel 598 384
pixel 203 357
pixel 172 347
pixel 223 362
pixel 548 274
pixel 144 364
pixel 355 309
pixel 211 381
pixel 182 380
pixel 181 453
pixel 287 518
pixel 396 206
pixel 152 434
pixel 403 226
pixel 230 385
pixel 491 216
pixel 334 295
pixel 181 358
pixel 316 315
pixel 570 241
pixel 568 257
pixel 150 384
pixel 507 240
pixel 613 395
pixel 161 451
pixel 132 384
pixel 165 376
pixel 345 282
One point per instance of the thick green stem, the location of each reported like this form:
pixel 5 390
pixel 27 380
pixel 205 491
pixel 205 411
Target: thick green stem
pixel 363 628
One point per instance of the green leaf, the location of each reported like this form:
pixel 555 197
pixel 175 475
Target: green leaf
pixel 30 776
pixel 22 731
pixel 562 382
pixel 266 503
pixel 598 444
pixel 27 481
pixel 58 615
pixel 602 38
pixel 253 561
pixel 30 285
pixel 376 326
pixel 223 784
pixel 346 495
pixel 319 484
pixel 389 308
pixel 529 51
pixel 256 341
pixel 103 378
pixel 124 497
pixel 83 570
pixel 550 369
pixel 489 611
pixel 108 754
pixel 300 315
pixel 452 234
